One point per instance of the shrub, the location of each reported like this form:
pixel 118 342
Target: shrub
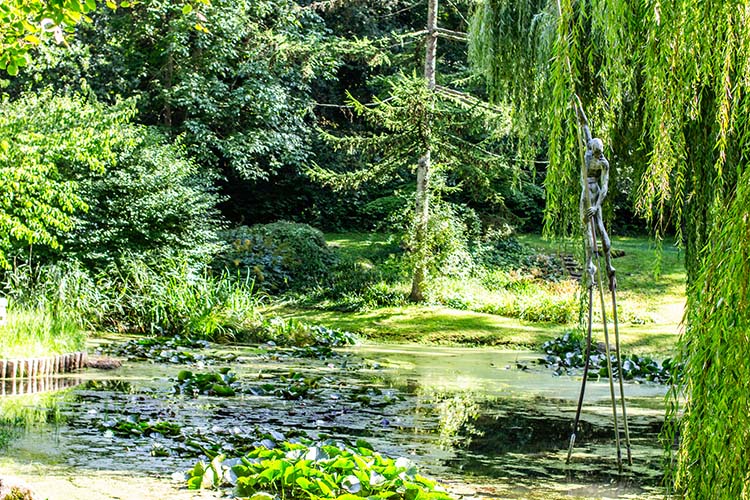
pixel 152 198
pixel 278 256
pixel 99 185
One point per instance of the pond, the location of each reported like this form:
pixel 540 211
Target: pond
pixel 487 423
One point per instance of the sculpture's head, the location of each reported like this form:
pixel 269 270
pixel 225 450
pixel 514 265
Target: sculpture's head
pixel 597 147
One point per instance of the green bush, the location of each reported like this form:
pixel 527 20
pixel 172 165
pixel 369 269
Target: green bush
pixel 152 198
pixel 88 185
pixel 278 256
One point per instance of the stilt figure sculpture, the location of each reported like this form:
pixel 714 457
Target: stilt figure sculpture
pixel 594 183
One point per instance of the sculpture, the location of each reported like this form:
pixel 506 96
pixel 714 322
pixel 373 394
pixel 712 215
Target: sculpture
pixel 594 185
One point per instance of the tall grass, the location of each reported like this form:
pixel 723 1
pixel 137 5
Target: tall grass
pixel 174 299
pixel 167 296
pixel 38 332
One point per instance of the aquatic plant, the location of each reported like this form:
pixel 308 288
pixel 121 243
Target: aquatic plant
pixel 219 383
pixel 293 386
pixel 302 470
pixel 565 354
pixel 295 333
pixel 175 350
pixel 133 426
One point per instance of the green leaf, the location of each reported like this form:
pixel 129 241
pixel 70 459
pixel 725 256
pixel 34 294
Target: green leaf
pixel 194 483
pixel 12 69
pixel 304 483
pixel 187 9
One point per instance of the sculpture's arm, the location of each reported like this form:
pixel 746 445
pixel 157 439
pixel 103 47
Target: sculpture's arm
pixel 603 183
pixel 583 121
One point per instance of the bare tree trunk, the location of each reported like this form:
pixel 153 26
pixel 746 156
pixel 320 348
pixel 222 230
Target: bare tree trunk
pixel 422 209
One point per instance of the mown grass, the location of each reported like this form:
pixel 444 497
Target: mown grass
pixel 650 299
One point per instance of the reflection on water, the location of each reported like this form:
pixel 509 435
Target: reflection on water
pixel 477 416
pixel 35 385
pixel 33 412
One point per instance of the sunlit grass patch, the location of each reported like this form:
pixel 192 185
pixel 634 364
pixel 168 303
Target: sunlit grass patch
pixel 36 332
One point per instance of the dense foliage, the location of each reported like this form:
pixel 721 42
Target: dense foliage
pixel 46 144
pixel 316 470
pixel 651 70
pixel 82 181
pixel 714 423
pixel 276 256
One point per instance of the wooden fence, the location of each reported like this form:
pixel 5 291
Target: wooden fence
pixel 30 368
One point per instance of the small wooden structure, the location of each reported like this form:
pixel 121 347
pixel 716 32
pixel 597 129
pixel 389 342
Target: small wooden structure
pixel 41 367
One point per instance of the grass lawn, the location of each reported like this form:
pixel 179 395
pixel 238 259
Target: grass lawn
pixel 651 302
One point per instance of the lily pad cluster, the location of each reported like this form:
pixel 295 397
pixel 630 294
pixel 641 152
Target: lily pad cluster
pixel 225 440
pixel 374 397
pixel 174 350
pixel 305 470
pixel 217 383
pixel 133 426
pixel 291 387
pixel 566 354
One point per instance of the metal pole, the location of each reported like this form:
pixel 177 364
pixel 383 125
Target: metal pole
pixel 585 374
pixel 619 366
pixel 607 349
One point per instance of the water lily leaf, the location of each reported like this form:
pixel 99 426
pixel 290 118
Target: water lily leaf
pixel 314 454
pixel 351 484
pixel 223 390
pixel 324 488
pixel 343 463
pixel 230 477
pixel 194 483
pixel 376 479
pixel 262 495
pixel 361 464
pixel 277 435
pixel 304 483
pixel 209 479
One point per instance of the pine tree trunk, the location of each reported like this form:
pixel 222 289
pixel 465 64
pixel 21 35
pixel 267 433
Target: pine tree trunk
pixel 422 209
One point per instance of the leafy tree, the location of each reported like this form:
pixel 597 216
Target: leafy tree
pixel 653 67
pixel 44 142
pixel 238 94
pixel 76 174
pixel 27 24
pixel 152 199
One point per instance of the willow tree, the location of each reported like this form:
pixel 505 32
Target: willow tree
pixel 673 78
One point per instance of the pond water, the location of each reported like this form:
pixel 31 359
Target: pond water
pixel 487 423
